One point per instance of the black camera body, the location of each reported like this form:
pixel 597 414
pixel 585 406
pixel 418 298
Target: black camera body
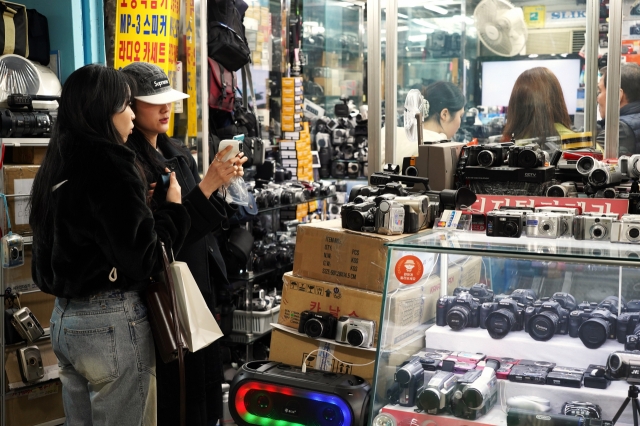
pixel 317 324
pixel 410 379
pixel 489 155
pixel 593 327
pixel 527 157
pixel 479 291
pixel 624 365
pixel 626 325
pixel 526 296
pixel 458 312
pixel 549 316
pixel 505 223
pixel 499 318
pixel 356 216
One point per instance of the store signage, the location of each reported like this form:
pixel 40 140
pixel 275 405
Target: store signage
pixel 486 203
pixel 190 52
pixel 534 16
pixel 409 269
pixel 568 14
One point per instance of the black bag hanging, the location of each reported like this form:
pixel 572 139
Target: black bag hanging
pixel 226 42
pixel 39 44
pixel 247 117
pixel 14 29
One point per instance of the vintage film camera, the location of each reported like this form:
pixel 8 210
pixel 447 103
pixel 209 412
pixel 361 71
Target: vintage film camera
pixel 30 363
pixel 592 227
pixel 12 251
pixel 27 325
pixel 627 229
pixel 527 157
pixel 355 331
pixel 563 190
pixel 458 312
pixel 505 223
pixel 317 324
pixel 549 316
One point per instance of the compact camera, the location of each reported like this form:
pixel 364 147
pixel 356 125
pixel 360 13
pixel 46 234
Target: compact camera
pixel 499 318
pixel 30 363
pixel 566 215
pixel 545 225
pixel 478 291
pixel 12 251
pixel 355 331
pixel 549 316
pixel 489 155
pixel 436 395
pixel 624 365
pixel 458 312
pixel 505 223
pixel 317 324
pixel 627 229
pixel 528 157
pixel 591 227
pixel 563 190
pixel 27 325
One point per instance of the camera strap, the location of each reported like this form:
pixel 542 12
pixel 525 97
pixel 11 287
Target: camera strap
pixel 6 212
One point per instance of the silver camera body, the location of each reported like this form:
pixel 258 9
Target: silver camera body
pixel 626 230
pixel 442 387
pixel 323 140
pixel 565 189
pixel 355 331
pixel 421 205
pixel 565 214
pixel 630 166
pixel 30 363
pixel 12 251
pixel 543 225
pixel 596 228
pixel 389 218
pixel 27 325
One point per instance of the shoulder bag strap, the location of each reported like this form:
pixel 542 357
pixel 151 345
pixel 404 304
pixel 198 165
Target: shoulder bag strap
pixel 251 106
pixel 178 334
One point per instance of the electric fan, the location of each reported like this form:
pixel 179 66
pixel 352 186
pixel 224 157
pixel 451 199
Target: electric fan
pixel 19 75
pixel 416 110
pixel 501 27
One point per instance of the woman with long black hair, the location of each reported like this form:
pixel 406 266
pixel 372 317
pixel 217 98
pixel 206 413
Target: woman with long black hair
pixel 95 245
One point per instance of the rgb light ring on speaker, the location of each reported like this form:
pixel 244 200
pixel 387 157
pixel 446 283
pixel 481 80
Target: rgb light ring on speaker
pixel 253 419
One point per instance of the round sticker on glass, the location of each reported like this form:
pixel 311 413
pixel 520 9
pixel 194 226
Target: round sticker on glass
pixel 409 269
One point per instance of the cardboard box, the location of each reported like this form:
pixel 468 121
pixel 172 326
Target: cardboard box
pixel 292 349
pixel 35 405
pixel 18 179
pixel 25 154
pixel 327 252
pixel 305 294
pixel 431 159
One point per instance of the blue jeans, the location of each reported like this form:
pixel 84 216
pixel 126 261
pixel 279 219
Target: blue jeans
pixel 107 360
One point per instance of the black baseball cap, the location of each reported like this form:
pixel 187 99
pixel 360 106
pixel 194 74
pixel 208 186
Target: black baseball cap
pixel 153 84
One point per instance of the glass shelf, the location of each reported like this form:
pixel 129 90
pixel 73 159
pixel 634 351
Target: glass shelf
pixel 476 243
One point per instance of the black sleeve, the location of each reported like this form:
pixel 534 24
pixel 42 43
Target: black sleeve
pixel 627 141
pixel 130 232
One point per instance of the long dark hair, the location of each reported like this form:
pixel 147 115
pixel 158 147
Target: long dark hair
pixel 90 97
pixel 441 95
pixel 536 103
pixel 146 155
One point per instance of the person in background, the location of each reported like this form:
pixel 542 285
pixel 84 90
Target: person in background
pixel 95 245
pixel 446 108
pixel 536 107
pixel 629 125
pixel 152 101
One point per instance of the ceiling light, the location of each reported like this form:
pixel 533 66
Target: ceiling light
pixel 437 9
pixel 415 38
pixel 403 16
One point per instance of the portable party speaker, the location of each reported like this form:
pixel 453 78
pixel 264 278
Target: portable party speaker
pixel 271 393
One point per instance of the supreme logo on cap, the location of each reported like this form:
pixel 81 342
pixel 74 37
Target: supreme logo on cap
pixel 160 83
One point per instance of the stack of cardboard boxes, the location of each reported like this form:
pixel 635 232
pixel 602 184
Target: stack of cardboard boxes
pixel 343 272
pixel 257 23
pixel 292 104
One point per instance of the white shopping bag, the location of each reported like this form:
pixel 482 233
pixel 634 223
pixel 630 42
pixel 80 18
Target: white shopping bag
pixel 199 326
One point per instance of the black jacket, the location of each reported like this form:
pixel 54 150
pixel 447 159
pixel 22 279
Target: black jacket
pixel 201 252
pixel 102 222
pixel 628 125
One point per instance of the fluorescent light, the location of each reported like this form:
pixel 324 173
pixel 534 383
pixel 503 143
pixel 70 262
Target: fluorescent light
pixel 424 23
pixel 403 16
pixel 414 38
pixel 437 9
pixel 403 28
pixel 533 55
pixel 427 30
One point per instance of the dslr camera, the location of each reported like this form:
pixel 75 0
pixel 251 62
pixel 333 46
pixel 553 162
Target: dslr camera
pixel 593 327
pixel 317 324
pixel 338 169
pixel 27 325
pixel 30 363
pixel 458 312
pixel 12 251
pixel 592 227
pixel 355 331
pixel 489 155
pixel 478 291
pixel 627 325
pixel 527 157
pixel 549 316
pixel 627 229
pixel 525 296
pixel 501 223
pixel 499 318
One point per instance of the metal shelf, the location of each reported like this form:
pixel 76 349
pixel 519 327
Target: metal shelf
pixel 42 142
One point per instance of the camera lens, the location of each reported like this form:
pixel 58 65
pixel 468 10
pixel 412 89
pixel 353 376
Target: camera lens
pixel 355 220
pixel 558 191
pixel 584 165
pixel 598 177
pixel 485 158
pixel 546 226
pixel 313 328
pixel 15 253
pixel 458 317
pixel 527 159
pixel 499 323
pixel 472 398
pixel 511 229
pixel 598 232
pixel 594 332
pixel 355 337
pixel 542 326
pixel 614 362
pixel 428 399
pixel 633 233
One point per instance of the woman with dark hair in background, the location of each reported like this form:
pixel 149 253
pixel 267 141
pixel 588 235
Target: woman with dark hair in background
pixel 536 107
pixel 446 107
pixel 95 245
pixel 152 102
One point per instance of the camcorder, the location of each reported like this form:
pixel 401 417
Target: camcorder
pixel 20 120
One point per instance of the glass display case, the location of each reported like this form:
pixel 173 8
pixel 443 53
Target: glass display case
pixel 549 311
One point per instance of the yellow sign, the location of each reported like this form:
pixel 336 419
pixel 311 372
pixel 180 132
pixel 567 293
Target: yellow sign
pixel 534 16
pixel 147 31
pixel 192 115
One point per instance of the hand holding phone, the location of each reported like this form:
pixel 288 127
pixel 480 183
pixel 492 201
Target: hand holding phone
pixel 236 148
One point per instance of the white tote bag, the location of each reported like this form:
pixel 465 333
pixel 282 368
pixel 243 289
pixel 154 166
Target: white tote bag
pixel 199 325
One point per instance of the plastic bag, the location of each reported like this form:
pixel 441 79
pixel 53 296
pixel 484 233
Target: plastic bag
pixel 414 104
pixel 237 192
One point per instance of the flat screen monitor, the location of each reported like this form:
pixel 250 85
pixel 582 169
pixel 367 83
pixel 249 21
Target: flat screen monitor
pixel 498 78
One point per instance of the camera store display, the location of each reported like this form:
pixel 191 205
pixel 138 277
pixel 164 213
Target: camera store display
pixel 348 330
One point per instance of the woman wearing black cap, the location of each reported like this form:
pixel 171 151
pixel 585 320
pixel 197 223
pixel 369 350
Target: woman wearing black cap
pixel 152 100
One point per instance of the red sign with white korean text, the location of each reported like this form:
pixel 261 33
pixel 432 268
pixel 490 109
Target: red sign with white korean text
pixel 409 269
pixel 486 203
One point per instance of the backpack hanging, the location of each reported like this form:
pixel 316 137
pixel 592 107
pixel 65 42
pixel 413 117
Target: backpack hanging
pixel 222 85
pixel 39 44
pixel 226 41
pixel 14 29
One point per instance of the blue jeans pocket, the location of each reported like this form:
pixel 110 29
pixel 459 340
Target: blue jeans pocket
pixel 144 346
pixel 93 353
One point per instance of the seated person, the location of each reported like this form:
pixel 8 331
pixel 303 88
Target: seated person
pixel 445 110
pixel 536 107
pixel 629 125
